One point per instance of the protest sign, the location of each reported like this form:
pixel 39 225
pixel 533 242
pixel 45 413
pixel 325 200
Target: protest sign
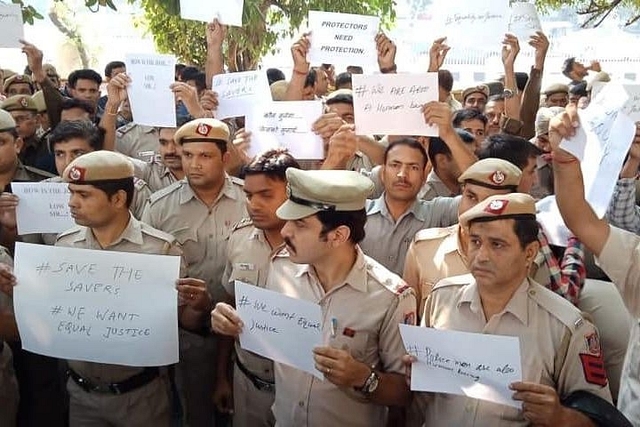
pixel 524 21
pixel 228 12
pixel 473 24
pixel 11 25
pixel 239 93
pixel 43 207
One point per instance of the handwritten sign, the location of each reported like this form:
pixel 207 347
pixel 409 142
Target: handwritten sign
pixel 43 207
pixel 151 99
pixel 82 304
pixel 286 124
pixel 473 24
pixel 239 93
pixel 631 107
pixel 12 25
pixel 391 104
pixel 274 324
pixel 601 144
pixel 340 38
pixel 228 12
pixel 480 366
pixel 524 21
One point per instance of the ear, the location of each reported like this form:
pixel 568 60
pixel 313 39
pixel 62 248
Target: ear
pixel 19 144
pixel 119 199
pixel 339 236
pixel 531 251
pixel 226 156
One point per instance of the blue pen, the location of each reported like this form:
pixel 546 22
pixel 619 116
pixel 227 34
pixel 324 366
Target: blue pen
pixel 334 327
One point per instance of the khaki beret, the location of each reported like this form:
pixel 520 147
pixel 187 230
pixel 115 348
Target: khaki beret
pixel 279 90
pixel 483 89
pixel 6 121
pixel 501 206
pixel 38 100
pixel 492 173
pixel 544 116
pixel 313 191
pixel 202 130
pixel 556 88
pixel 98 166
pixel 17 78
pixel 19 103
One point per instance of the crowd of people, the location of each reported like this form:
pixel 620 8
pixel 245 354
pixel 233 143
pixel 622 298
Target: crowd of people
pixel 439 232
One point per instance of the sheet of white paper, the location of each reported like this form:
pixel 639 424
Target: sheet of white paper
pixel 391 104
pixel 228 12
pixel 11 25
pixel 524 21
pixel 342 39
pixel 43 207
pixel 81 304
pixel 480 366
pixel 631 107
pixel 473 24
pixel 151 99
pixel 601 144
pixel 239 93
pixel 552 223
pixel 286 124
pixel 279 327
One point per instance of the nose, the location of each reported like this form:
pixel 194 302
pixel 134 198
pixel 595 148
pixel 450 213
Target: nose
pixel 401 172
pixel 73 201
pixel 286 230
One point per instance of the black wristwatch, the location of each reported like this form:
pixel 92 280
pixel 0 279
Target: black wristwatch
pixel 371 384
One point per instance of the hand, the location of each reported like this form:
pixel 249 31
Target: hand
pixel 595 66
pixel 225 320
pixel 407 361
pixel 299 52
pixel 510 50
pixel 223 396
pixel 437 54
pixel 439 114
pixel 342 145
pixel 7 279
pixel 563 125
pixel 327 125
pixel 189 97
pixel 34 58
pixel 8 205
pixel 192 292
pixel 215 33
pixel 209 100
pixel 540 43
pixel 386 51
pixel 339 367
pixel 242 142
pixel 540 403
pixel 117 89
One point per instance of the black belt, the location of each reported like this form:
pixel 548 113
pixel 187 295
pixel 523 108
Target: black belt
pixel 130 384
pixel 259 383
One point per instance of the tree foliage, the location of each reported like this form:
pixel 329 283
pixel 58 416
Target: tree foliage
pixel 595 12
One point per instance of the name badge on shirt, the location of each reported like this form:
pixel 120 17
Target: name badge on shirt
pixel 245 266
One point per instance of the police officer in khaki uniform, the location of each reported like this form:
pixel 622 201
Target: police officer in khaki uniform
pixel 8 331
pixel 560 350
pixel 18 84
pixel 164 172
pixel 252 245
pixel 200 212
pixel 138 141
pixel 362 305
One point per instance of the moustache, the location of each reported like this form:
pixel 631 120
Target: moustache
pixel 288 242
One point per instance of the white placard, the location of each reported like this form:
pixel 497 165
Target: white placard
pixel 473 24
pixel 551 221
pixel 343 39
pixel 152 101
pixel 601 144
pixel 279 327
pixel 631 107
pixel 524 21
pixel 89 305
pixel 12 27
pixel 228 12
pixel 286 124
pixel 480 366
pixel 391 104
pixel 43 207
pixel 239 93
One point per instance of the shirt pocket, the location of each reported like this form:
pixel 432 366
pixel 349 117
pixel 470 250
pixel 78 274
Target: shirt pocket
pixel 192 252
pixel 244 272
pixel 356 345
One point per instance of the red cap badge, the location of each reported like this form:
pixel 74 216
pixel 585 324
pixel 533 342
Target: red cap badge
pixel 497 177
pixel 203 129
pixel 76 174
pixel 496 207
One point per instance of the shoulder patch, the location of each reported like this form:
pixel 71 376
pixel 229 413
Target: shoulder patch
pixel 38 172
pixel 236 180
pixel 154 232
pixel 244 222
pixel 462 280
pixel 122 130
pixel 72 230
pixel 431 233
pixel 163 192
pixel 139 183
pixel 283 252
pixel 557 306
pixel 386 278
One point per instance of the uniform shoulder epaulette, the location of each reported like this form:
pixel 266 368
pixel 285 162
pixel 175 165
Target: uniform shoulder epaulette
pixel 163 192
pixel 139 183
pixel 244 222
pixel 386 278
pixel 461 280
pixel 236 180
pixel 159 234
pixel 123 130
pixel 557 306
pixel 72 230
pixel 430 234
pixel 39 172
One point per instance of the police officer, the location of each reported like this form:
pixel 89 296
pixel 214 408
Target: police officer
pixel 362 304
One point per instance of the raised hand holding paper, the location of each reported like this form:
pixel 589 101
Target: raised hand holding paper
pixel 524 20
pixel 228 12
pixel 151 99
pixel 43 207
pixel 473 24
pixel 11 25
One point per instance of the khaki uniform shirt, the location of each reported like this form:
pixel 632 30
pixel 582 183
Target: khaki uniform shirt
pixel 546 325
pixel 387 241
pixel 137 237
pixel 358 163
pixel 434 187
pixel 138 141
pixel 248 258
pixel 202 232
pixel 620 259
pixel 28 174
pixel 368 307
pixel 154 173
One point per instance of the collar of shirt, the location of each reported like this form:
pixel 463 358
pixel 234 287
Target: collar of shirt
pixel 379 205
pixel 187 193
pixel 357 277
pixel 132 233
pixel 440 187
pixel 517 305
pixel 451 243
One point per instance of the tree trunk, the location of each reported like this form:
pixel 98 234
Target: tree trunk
pixel 73 34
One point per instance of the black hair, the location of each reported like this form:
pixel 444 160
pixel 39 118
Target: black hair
pixel 341 98
pixel 407 142
pixel 567 66
pixel 178 70
pixel 525 227
pixel 274 75
pixel 496 98
pixel 507 147
pixel 84 74
pixel 445 80
pixel 343 80
pixel 579 89
pixel 187 73
pixel 111 187
pixel 70 103
pixel 200 78
pixel 468 114
pixel 355 69
pixel 82 129
pixel 311 79
pixel 521 80
pixel 272 163
pixel 437 146
pixel 355 220
pixel 112 66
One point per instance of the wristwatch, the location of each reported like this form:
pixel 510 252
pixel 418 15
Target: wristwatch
pixel 371 384
pixel 508 93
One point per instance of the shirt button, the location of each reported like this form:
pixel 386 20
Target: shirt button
pixel 532 292
pixel 211 236
pixel 301 404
